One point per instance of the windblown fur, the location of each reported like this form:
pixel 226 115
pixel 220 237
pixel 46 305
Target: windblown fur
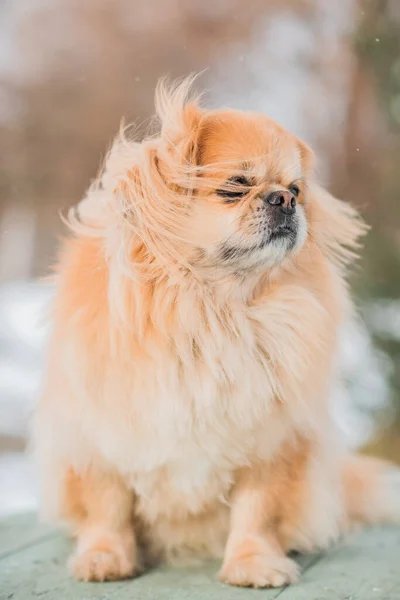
pixel 186 401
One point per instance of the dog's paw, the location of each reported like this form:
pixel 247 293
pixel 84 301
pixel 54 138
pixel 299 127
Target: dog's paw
pixel 102 565
pixel 259 571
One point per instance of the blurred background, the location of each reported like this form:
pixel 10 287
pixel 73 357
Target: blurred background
pixel 70 70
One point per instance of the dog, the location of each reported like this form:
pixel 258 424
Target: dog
pixel 186 409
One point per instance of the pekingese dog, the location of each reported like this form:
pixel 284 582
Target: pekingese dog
pixel 186 406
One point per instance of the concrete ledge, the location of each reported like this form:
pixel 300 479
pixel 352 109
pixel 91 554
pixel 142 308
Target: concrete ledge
pixel 366 566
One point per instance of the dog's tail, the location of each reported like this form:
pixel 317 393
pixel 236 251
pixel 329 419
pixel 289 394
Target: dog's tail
pixel 372 490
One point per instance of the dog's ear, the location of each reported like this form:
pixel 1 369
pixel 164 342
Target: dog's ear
pixel 307 157
pixel 335 226
pixel 181 120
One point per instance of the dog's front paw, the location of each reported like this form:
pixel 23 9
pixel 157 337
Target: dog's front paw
pixel 259 571
pixel 102 565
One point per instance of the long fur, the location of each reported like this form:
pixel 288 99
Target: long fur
pixel 186 396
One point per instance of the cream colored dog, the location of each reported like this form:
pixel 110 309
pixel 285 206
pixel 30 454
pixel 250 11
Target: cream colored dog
pixel 186 402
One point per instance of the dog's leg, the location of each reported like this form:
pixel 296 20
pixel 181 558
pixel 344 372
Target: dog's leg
pixel 294 502
pixel 267 505
pixel 100 507
pixel 254 555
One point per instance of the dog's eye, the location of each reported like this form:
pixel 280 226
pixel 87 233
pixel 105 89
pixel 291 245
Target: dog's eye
pixel 295 190
pixel 235 188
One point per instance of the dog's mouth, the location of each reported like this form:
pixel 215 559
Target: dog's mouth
pixel 286 232
pixel 282 231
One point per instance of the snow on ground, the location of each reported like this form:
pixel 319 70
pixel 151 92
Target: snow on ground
pixel 17 485
pixel 23 332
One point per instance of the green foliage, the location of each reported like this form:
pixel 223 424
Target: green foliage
pixel 377 45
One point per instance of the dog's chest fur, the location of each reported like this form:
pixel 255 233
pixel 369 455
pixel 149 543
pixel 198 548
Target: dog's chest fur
pixel 217 395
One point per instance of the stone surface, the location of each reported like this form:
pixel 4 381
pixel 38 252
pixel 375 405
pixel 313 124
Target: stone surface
pixel 366 566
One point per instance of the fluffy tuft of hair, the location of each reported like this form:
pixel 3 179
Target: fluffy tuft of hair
pixel 178 109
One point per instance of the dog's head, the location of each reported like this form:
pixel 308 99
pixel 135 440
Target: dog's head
pixel 224 191
pixel 248 210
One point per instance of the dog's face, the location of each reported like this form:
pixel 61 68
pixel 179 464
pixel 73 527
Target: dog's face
pixel 248 208
pixel 221 192
pixel 218 191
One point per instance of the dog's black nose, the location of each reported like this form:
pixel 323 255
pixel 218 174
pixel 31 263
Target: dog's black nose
pixel 285 200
